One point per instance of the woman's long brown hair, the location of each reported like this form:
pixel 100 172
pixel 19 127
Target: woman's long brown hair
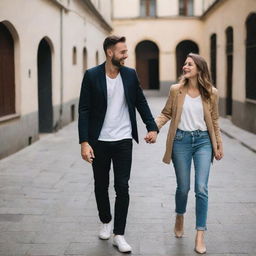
pixel 204 78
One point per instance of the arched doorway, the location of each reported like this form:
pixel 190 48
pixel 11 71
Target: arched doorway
pixel 7 72
pixel 251 56
pixel 147 64
pixel 229 58
pixel 182 50
pixel 44 69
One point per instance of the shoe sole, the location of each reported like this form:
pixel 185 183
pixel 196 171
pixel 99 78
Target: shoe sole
pixel 199 252
pixel 101 238
pixel 128 252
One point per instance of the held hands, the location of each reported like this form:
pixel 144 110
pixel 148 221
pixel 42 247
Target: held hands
pixel 219 154
pixel 151 137
pixel 87 152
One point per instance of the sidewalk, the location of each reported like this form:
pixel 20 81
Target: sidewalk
pixel 247 139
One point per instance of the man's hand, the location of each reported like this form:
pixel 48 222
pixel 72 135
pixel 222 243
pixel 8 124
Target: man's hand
pixel 151 137
pixel 87 152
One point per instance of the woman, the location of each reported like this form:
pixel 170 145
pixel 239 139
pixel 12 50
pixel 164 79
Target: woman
pixel 194 133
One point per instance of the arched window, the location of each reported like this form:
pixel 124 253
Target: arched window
pixel 213 57
pixel 84 59
pixel 229 58
pixel 74 56
pixel 148 8
pixel 251 57
pixel 7 72
pixel 182 50
pixel 97 58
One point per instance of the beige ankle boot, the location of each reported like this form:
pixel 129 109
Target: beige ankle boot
pixel 200 247
pixel 178 229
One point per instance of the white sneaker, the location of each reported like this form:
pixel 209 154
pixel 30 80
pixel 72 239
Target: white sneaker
pixel 121 244
pixel 105 231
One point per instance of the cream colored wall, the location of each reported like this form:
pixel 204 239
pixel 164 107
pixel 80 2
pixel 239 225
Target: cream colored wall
pixel 77 32
pixel 167 8
pixel 126 9
pixel 236 12
pixel 198 7
pixel 104 8
pixel 80 29
pixel 31 29
pixel 207 3
pixel 165 33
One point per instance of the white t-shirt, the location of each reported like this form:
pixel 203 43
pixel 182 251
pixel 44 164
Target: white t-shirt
pixel 117 124
pixel 192 116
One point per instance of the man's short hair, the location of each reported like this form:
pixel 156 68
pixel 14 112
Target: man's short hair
pixel 111 41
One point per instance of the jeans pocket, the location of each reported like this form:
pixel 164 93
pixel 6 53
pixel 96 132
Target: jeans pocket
pixel 205 136
pixel 178 136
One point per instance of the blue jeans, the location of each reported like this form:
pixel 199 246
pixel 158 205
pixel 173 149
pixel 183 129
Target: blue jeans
pixel 194 145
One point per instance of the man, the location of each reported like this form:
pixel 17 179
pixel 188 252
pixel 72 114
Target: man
pixel 110 95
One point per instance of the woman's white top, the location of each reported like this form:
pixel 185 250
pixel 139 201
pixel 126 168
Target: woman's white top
pixel 117 124
pixel 192 116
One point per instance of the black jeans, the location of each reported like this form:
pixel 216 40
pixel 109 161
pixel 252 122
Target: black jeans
pixel 120 153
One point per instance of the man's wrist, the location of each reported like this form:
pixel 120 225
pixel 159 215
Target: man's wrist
pixel 85 143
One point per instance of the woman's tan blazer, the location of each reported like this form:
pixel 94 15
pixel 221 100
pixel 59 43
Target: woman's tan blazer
pixel 173 109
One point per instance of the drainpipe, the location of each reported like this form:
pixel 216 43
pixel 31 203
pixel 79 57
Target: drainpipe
pixel 61 67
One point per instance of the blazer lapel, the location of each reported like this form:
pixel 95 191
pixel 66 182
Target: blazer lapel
pixel 180 101
pixel 207 113
pixel 102 80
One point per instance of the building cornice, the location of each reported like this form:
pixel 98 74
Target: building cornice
pixel 213 7
pixel 91 8
pixel 97 14
pixel 174 17
pixel 60 4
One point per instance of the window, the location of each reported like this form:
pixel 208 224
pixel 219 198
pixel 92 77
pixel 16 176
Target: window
pixel 74 56
pixel 97 58
pixel 7 72
pixel 213 57
pixel 186 7
pixel 148 8
pixel 229 75
pixel 251 57
pixel 84 59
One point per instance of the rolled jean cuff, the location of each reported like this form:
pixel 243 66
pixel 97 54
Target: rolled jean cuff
pixel 180 214
pixel 201 228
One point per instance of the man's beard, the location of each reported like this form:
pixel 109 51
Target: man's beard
pixel 116 62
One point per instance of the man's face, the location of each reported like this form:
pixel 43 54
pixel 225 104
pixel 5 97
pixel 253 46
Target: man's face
pixel 119 54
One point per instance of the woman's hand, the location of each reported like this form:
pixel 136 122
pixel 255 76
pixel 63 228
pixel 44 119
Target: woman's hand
pixel 219 154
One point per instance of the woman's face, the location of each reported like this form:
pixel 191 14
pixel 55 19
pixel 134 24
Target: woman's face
pixel 190 69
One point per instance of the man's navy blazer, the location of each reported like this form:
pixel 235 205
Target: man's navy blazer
pixel 93 103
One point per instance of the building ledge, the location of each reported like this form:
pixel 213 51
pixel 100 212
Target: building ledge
pixel 9 117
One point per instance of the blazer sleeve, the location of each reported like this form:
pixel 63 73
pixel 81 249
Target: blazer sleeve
pixel 84 109
pixel 166 113
pixel 143 108
pixel 215 118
